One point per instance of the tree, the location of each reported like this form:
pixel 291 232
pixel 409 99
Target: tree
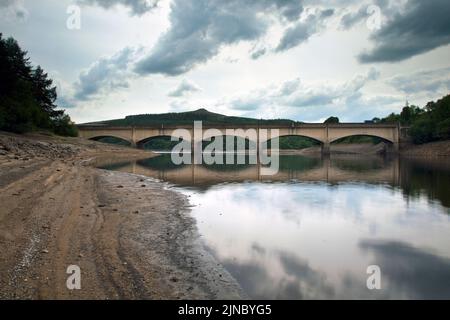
pixel 427 124
pixel 332 120
pixel 410 114
pixel 376 120
pixel 27 94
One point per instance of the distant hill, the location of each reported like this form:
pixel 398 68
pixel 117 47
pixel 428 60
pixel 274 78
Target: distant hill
pixel 181 118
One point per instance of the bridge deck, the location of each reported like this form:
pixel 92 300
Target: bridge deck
pixel 241 126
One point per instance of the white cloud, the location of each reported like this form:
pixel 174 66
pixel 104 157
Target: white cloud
pixel 428 81
pixel 105 75
pixel 184 88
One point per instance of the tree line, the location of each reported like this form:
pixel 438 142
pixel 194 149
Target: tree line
pixel 27 95
pixel 427 124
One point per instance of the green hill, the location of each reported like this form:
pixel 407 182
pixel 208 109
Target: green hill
pixel 182 118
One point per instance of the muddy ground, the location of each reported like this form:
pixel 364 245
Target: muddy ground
pixel 131 236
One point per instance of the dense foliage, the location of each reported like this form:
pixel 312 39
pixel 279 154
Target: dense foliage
pixel 187 118
pixel 332 120
pixel 27 95
pixel 431 123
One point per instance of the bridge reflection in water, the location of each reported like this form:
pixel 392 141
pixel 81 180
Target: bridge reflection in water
pixel 415 177
pixel 292 168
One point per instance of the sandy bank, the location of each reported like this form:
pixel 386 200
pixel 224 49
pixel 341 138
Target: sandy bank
pixel 131 236
pixel 428 150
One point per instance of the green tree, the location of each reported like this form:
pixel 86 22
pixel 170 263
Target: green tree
pixel 27 94
pixel 332 120
pixel 427 124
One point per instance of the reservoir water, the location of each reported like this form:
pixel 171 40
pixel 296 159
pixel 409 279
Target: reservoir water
pixel 312 230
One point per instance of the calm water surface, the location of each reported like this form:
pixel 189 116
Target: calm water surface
pixel 311 231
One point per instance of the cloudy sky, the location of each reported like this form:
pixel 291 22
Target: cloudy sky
pixel 298 59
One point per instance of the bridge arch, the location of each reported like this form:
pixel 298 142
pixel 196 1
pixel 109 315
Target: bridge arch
pixel 236 141
pixel 308 138
pixel 116 137
pixel 141 143
pixel 384 139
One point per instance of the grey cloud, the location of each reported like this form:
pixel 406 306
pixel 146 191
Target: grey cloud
pixel 137 7
pixel 303 30
pixel 247 103
pixel 412 272
pixel 326 13
pixel 15 8
pixel 297 280
pixel 388 8
pixel 183 88
pixel 421 27
pixel 258 53
pixel 310 97
pixel 289 87
pixel 313 99
pixel 352 18
pixel 296 35
pixel 289 9
pixel 7 3
pixel 105 74
pixel 199 28
pixel 429 81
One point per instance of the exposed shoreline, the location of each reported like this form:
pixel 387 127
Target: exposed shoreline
pixel 130 235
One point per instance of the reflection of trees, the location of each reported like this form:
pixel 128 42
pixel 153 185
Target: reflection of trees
pixel 112 140
pixel 161 162
pixel 360 164
pixel 159 143
pixel 228 167
pixel 426 177
pixel 299 163
pixel 164 162
pixel 114 166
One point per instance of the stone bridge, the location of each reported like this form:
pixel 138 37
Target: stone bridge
pixel 323 133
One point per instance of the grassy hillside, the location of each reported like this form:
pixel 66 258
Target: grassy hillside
pixel 208 118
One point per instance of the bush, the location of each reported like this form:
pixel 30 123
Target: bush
pixel 63 126
pixel 422 131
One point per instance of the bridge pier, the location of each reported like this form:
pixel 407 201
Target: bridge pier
pixel 326 148
pixel 395 147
